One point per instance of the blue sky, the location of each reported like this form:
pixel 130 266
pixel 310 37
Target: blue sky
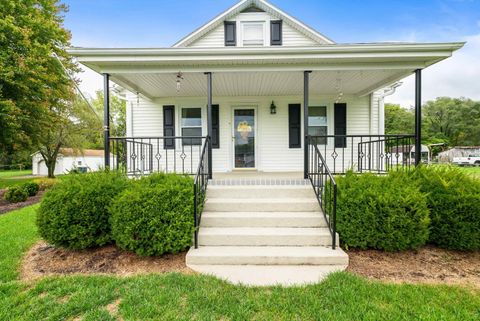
pixel 149 23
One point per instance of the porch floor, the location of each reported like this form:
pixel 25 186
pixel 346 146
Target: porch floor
pixel 258 178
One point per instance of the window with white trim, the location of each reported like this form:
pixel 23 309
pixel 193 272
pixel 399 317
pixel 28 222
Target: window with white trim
pixel 191 125
pixel 253 33
pixel 317 123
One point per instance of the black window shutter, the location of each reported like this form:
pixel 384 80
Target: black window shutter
pixel 230 33
pixel 340 125
pixel 169 126
pixel 276 33
pixel 215 126
pixel 294 126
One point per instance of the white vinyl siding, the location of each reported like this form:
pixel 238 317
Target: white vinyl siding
pixel 291 36
pixel 213 39
pixel 274 153
pixel 294 38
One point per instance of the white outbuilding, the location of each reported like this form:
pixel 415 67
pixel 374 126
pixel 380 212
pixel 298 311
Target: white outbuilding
pixel 87 160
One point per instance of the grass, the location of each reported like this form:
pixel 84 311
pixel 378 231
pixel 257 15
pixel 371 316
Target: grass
pixel 17 233
pixel 474 171
pixel 341 296
pixel 15 177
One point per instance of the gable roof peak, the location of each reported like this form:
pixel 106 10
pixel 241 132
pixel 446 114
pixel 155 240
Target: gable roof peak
pixel 263 5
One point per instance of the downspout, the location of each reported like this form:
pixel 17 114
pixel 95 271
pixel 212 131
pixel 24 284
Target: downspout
pixel 381 106
pixel 129 109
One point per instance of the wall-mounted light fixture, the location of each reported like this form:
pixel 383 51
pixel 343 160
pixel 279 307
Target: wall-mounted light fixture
pixel 273 108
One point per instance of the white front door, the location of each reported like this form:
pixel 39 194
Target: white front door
pixel 244 138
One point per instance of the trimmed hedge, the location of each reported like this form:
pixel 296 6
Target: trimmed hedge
pixel 15 194
pixel 381 212
pixel 453 198
pixel 154 216
pixel 31 188
pixel 74 213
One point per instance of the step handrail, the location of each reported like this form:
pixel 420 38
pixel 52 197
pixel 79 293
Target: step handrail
pixel 200 186
pixel 324 186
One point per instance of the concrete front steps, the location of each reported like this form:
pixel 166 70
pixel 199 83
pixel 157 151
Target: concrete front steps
pixel 265 235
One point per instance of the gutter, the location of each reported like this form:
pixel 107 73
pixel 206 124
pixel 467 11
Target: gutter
pixel 323 49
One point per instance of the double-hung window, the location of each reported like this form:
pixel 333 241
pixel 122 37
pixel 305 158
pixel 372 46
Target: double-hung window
pixel 317 123
pixel 191 126
pixel 253 33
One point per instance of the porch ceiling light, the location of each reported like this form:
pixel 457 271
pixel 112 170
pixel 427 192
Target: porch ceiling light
pixel 273 108
pixel 179 80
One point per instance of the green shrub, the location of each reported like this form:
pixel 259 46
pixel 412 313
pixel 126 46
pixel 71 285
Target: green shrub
pixel 74 213
pixel 155 215
pixel 15 194
pixel 31 188
pixel 381 212
pixel 453 198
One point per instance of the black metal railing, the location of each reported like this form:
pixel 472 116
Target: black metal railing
pixel 364 153
pixel 200 188
pixel 325 187
pixel 139 156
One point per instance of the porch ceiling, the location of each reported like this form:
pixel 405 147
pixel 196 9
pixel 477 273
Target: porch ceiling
pixel 265 83
pixel 357 68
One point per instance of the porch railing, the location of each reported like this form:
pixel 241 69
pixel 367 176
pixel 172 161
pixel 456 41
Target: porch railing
pixel 139 156
pixel 365 153
pixel 200 188
pixel 325 187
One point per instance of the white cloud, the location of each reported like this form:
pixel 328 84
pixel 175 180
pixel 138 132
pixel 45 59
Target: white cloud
pixel 458 76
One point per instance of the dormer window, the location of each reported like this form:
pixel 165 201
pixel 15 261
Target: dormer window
pixel 253 33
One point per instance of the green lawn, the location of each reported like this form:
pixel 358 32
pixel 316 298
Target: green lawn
pixel 15 177
pixel 474 171
pixel 194 297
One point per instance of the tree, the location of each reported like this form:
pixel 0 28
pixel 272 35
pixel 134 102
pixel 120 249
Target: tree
pixel 72 124
pixel 399 120
pixel 118 126
pixel 33 85
pixel 453 120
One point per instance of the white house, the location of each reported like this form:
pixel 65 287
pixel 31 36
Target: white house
pixel 68 159
pixel 255 97
pixel 256 55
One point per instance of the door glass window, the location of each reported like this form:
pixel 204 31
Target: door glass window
pixel 244 136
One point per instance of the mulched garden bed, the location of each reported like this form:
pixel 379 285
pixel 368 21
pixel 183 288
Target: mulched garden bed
pixel 7 207
pixel 44 259
pixel 426 265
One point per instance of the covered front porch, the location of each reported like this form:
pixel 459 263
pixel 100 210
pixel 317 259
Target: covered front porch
pixel 260 109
